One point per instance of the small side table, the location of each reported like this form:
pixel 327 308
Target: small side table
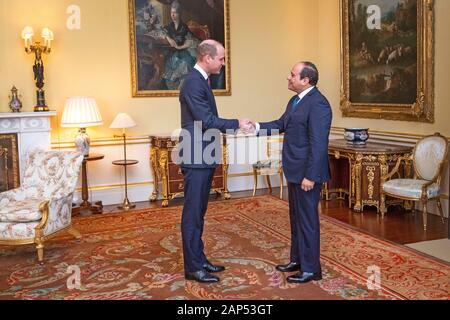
pixel 126 205
pixel 86 205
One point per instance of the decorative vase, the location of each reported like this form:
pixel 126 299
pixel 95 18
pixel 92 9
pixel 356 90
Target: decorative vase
pixel 82 142
pixel 356 136
pixel 15 104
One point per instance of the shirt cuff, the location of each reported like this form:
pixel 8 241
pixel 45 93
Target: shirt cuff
pixel 257 127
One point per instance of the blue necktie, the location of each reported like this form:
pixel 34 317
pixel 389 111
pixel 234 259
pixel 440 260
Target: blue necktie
pixel 296 102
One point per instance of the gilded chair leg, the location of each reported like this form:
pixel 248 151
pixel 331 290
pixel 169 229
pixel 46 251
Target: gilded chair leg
pixel 40 251
pixel 255 182
pixel 281 185
pixel 74 232
pixel 439 204
pixel 382 204
pixel 425 215
pixel 269 184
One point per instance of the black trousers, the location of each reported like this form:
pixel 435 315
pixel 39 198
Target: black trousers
pixel 305 227
pixel 197 186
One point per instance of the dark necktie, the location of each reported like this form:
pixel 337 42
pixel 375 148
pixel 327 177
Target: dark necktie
pixel 209 82
pixel 296 102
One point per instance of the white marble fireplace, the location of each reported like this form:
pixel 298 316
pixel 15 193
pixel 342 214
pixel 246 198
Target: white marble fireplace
pixel 32 128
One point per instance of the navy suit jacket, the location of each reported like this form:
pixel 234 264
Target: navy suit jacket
pixel 198 104
pixel 305 146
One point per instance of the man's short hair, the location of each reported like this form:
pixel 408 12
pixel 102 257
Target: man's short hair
pixel 206 48
pixel 310 71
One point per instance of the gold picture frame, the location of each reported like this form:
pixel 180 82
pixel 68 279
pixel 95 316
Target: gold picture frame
pixel 387 69
pixel 157 66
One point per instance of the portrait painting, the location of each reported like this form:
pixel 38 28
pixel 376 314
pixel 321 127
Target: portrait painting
pixel 164 35
pixel 387 59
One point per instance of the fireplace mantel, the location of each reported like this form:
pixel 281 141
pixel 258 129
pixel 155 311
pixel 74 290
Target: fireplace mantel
pixel 32 129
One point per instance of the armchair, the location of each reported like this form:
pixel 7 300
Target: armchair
pixel 428 158
pixel 42 206
pixel 271 166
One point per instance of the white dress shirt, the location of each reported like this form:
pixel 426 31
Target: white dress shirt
pixel 204 74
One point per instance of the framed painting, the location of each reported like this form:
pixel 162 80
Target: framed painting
pixel 387 49
pixel 164 35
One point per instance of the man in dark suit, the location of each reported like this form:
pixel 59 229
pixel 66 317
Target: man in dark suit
pixel 306 124
pixel 200 125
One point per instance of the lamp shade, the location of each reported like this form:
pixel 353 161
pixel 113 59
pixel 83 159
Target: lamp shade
pixel 122 121
pixel 81 112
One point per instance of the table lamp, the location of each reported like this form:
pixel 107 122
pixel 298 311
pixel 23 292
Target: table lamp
pixel 124 121
pixel 81 112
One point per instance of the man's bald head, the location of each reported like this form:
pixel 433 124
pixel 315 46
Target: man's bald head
pixel 211 56
pixel 208 47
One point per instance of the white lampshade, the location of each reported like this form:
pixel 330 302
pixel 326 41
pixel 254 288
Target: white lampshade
pixel 81 112
pixel 122 121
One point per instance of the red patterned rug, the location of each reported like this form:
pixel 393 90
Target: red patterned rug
pixel 136 255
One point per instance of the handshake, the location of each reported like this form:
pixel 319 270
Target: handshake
pixel 247 126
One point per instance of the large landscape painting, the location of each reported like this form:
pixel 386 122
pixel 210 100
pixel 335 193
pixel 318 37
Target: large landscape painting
pixel 383 67
pixel 387 59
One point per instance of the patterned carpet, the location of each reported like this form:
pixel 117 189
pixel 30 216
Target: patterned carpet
pixel 136 255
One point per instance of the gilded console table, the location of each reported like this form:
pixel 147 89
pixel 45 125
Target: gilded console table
pixel 167 174
pixel 359 176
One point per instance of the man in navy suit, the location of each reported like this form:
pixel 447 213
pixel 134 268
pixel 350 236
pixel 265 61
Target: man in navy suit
pixel 201 133
pixel 306 124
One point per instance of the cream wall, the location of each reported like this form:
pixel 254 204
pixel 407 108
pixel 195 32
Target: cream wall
pixel 266 39
pixel 329 64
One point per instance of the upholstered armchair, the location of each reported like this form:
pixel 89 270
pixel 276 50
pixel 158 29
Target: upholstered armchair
pixel 428 159
pixel 42 206
pixel 270 166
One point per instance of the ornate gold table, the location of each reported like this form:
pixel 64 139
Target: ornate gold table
pixel 168 174
pixel 356 171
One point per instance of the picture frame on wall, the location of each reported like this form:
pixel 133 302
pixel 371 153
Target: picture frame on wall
pixel 387 61
pixel 164 35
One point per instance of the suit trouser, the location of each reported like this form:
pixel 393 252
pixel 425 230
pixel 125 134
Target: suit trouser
pixel 197 186
pixel 305 227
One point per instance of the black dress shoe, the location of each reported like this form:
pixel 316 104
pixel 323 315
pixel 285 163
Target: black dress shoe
pixel 303 277
pixel 291 266
pixel 212 268
pixel 201 276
